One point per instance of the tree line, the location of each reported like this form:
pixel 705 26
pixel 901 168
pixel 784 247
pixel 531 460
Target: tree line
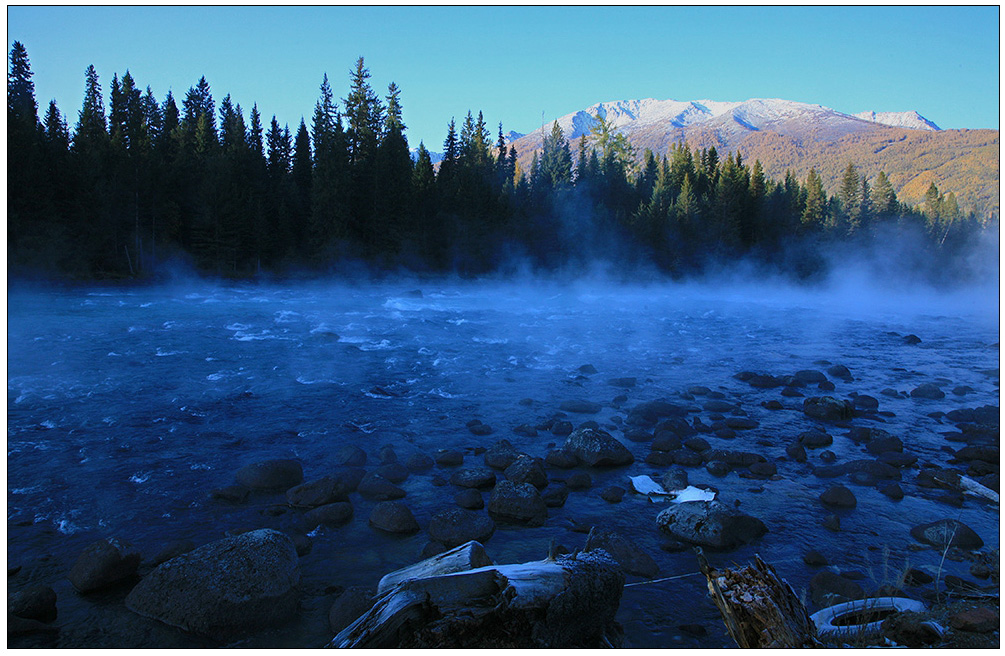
pixel 152 181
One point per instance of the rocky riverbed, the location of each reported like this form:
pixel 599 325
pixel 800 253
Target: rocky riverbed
pixel 157 437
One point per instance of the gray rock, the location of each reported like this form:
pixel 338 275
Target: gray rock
pixel 815 439
pixel 951 532
pixel 597 448
pixel 393 471
pixel 555 494
pixel 172 549
pixel 827 408
pixel 838 496
pixel 929 391
pixel 631 558
pixel 104 563
pixel 613 494
pixel 229 587
pixel 473 478
pixel 455 526
pixel 469 498
pixel 711 524
pixel 675 479
pixel 526 469
pixel 318 493
pixel 376 487
pixel 349 606
pixel 393 517
pixel 279 474
pixel 448 458
pixel 350 455
pixel 37 602
pixel 418 462
pixel 330 514
pixel 828 588
pixel 581 407
pixel 517 503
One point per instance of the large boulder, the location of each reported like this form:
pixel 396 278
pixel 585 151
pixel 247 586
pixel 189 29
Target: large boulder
pixel 517 503
pixel 456 526
pixel 827 408
pixel 629 555
pixel 279 474
pixel 104 563
pixel 710 524
pixel 947 532
pixel 597 448
pixel 225 588
pixel 501 455
pixel 318 493
pixel 526 469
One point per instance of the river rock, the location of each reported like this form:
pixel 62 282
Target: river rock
pixel 393 471
pixel 555 494
pixel 674 478
pixel 418 462
pixel 929 391
pixel 828 588
pixel 500 455
pixel 838 496
pixel 473 478
pixel 526 469
pixel 230 494
pixel 330 514
pixel 104 563
pixel 561 459
pixel 815 439
pixel 951 532
pixel 348 606
pixel 711 524
pixel 376 487
pixel 350 455
pixel 718 468
pixel 892 490
pixel 810 376
pixel 597 448
pixel 232 586
pixel 840 371
pixel 613 494
pixel 393 517
pixel 279 474
pixel 676 425
pixel 455 526
pixel 579 481
pixel 827 408
pixel 885 444
pixel 517 503
pixel 975 620
pixel 733 458
pixel 469 498
pixel 581 407
pixel 37 602
pixel 631 558
pixel 562 428
pixel 449 458
pixel 650 412
pixel 796 452
pixel 318 493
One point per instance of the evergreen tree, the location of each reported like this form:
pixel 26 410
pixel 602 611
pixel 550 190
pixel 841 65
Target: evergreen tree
pixel 556 160
pixel 850 198
pixel 883 198
pixel 329 208
pixel 814 214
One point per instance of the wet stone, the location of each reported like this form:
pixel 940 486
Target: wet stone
pixel 666 441
pixel 418 462
pixel 376 487
pixel 473 478
pixel 815 439
pixel 555 494
pixel 718 468
pixel 526 469
pixel 103 564
pixel 37 602
pixel 278 474
pixel 796 452
pixel 517 503
pixel 579 481
pixel 393 517
pixel 562 428
pixel 332 514
pixel 350 455
pixel 469 498
pixel 929 391
pixel 449 458
pixel 686 458
pixel 613 494
pixel 838 496
pixel 456 526
pixel 892 490
pixel 561 459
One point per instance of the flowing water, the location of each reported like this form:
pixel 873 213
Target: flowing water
pixel 127 406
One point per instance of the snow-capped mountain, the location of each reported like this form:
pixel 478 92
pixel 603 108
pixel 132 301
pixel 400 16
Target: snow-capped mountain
pixel 727 119
pixel 912 120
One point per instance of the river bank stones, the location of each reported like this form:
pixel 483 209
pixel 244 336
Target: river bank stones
pixel 318 493
pixel 947 533
pixel 455 526
pixel 393 517
pixel 597 448
pixel 838 496
pixel 710 524
pixel 104 563
pixel 517 503
pixel 276 475
pixel 827 408
pixel 231 586
pixel 37 602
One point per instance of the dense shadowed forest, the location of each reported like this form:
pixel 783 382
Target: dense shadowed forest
pixel 157 182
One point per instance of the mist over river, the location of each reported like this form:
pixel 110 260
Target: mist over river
pixel 128 406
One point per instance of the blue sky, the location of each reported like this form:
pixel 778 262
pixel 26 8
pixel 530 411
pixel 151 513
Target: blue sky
pixel 521 64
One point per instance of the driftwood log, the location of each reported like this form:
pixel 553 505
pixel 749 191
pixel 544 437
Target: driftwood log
pixel 759 609
pixel 569 601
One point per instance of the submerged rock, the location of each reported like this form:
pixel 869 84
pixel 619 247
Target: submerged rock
pixel 279 474
pixel 827 408
pixel 233 586
pixel 597 448
pixel 711 524
pixel 104 563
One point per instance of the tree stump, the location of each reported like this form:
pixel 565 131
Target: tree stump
pixel 759 609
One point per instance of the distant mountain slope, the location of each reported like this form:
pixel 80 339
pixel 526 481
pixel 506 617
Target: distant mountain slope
pixel 785 134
